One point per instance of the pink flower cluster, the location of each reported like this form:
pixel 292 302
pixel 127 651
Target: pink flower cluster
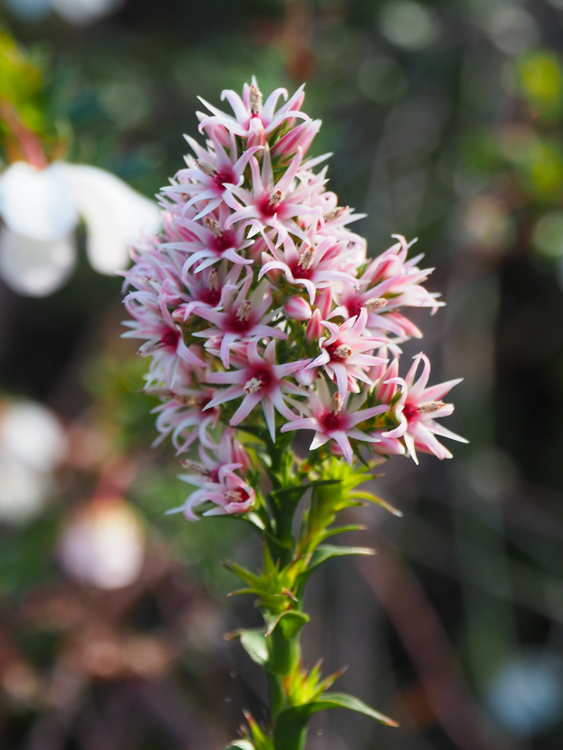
pixel 260 308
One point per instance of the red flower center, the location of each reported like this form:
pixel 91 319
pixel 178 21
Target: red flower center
pixel 354 307
pixel 211 296
pixel 239 325
pixel 223 176
pixel 170 339
pixel 239 495
pixel 339 352
pixel 224 242
pixel 301 273
pixel 410 411
pixel 331 421
pixel 271 204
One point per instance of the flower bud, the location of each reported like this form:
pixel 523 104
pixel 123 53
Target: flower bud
pixel 306 377
pixel 178 314
pixel 323 301
pixel 299 137
pixel 314 327
pixel 387 446
pixel 297 308
pixel 387 386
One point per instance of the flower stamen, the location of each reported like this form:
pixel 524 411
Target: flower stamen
pixel 255 100
pixel 195 467
pixel 307 259
pixel 190 401
pixel 243 312
pixel 430 406
pixel 335 214
pixel 206 168
pixel 374 304
pixel 276 197
pixel 417 410
pixel 343 351
pixel 236 496
pixel 253 385
pixel 214 227
pixel 336 404
pixel 213 280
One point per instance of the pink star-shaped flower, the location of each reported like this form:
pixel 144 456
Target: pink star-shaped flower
pixel 343 353
pixel 417 409
pixel 258 380
pixel 333 418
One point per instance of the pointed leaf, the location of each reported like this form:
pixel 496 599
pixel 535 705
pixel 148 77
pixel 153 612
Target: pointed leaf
pixel 290 623
pixel 341 529
pixel 343 700
pixel 253 519
pixel 380 501
pixel 245 575
pixel 291 722
pixel 254 643
pixel 238 592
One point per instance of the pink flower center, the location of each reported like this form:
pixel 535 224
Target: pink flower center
pixel 170 339
pixel 339 352
pixel 240 319
pixel 223 242
pixel 237 324
pixel 354 306
pixel 301 273
pixel 410 411
pixel 331 421
pixel 239 495
pixel 211 296
pixel 259 380
pixel 223 176
pixel 270 204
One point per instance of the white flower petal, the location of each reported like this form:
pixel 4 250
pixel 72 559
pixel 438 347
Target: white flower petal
pixel 114 213
pixel 37 203
pixel 22 491
pixel 103 544
pixel 32 434
pixel 33 267
pixel 82 12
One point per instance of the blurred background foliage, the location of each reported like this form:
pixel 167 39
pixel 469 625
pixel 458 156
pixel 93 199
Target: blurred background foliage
pixel 446 123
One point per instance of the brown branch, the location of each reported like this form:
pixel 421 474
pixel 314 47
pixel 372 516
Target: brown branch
pixel 427 643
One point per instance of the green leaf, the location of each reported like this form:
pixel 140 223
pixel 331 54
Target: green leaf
pixel 290 622
pixel 258 432
pixel 289 733
pixel 301 489
pixel 240 745
pixel 343 700
pixel 380 501
pixel 325 552
pixel 341 529
pixel 254 643
pixel 251 580
pixel 254 520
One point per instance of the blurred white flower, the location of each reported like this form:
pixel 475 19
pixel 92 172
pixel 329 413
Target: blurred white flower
pixel 79 12
pixel 103 545
pixel 32 445
pixel 41 208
